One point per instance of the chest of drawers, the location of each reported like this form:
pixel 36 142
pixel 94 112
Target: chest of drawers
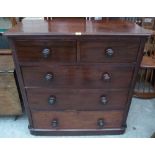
pixel 77 76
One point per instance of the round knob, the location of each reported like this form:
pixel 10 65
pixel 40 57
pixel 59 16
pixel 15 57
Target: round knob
pixel 49 76
pixel 51 100
pixel 45 52
pixel 54 123
pixel 109 52
pixel 100 123
pixel 104 99
pixel 106 76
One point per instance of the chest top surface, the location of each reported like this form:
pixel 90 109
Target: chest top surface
pixel 71 27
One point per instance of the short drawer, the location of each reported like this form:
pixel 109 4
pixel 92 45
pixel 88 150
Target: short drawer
pixel 77 120
pixel 73 99
pixel 112 50
pixel 85 76
pixel 46 51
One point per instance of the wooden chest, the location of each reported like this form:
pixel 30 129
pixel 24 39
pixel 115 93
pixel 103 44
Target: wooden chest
pixel 77 76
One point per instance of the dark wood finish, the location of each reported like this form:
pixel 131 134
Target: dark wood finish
pixel 69 27
pixel 88 132
pixel 59 51
pixel 97 51
pixel 76 120
pixel 20 82
pixel 79 99
pixel 94 62
pixel 83 76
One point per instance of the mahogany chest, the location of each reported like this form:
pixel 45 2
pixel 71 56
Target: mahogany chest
pixel 77 76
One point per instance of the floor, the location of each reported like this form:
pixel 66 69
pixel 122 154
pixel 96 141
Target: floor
pixel 141 123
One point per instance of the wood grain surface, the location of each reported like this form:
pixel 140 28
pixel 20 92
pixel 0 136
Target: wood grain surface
pixel 89 60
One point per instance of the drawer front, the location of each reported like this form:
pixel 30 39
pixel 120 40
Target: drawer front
pixel 120 50
pixel 77 120
pixel 64 99
pixel 86 76
pixel 46 51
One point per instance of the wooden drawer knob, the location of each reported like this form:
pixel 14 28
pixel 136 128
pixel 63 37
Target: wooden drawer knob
pixel 104 100
pixel 52 100
pixel 46 52
pixel 100 123
pixel 49 76
pixel 109 52
pixel 54 123
pixel 106 76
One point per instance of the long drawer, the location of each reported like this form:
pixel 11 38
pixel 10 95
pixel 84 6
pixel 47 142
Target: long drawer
pixel 77 120
pixel 109 50
pixel 46 51
pixel 84 76
pixel 73 99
